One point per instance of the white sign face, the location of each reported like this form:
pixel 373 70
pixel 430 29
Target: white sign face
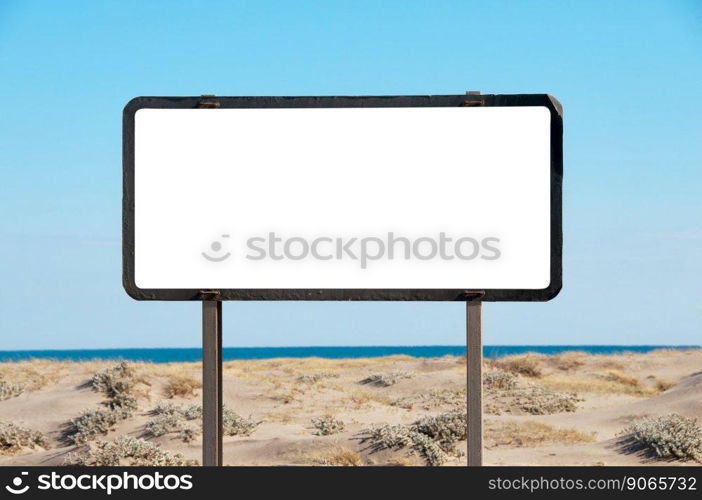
pixel 343 198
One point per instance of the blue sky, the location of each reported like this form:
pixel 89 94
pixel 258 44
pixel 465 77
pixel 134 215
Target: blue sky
pixel 629 75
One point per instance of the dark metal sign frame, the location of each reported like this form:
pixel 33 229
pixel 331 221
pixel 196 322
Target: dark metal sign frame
pixel 344 102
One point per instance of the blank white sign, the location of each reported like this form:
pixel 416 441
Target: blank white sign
pixel 342 198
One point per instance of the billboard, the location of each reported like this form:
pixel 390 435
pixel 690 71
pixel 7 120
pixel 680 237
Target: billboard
pixel 343 198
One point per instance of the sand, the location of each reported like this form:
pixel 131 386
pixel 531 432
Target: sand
pixel 613 390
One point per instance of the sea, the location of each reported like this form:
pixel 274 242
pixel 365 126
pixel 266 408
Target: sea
pixel 170 355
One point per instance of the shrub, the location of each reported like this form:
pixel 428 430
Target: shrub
pixel 316 377
pixel 386 436
pixel 188 433
pixel 499 380
pixel 124 402
pixel 9 390
pixel 386 379
pixel 539 401
pixel 182 385
pixel 670 436
pixel 235 425
pixel 193 412
pixel 165 407
pixel 430 450
pixel 170 418
pixel 127 451
pixel 115 380
pixel 164 423
pixel 14 437
pixel 445 429
pixel 92 423
pixel 327 425
pixel 432 437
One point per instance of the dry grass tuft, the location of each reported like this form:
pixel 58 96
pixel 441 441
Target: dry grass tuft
pixel 603 382
pixel 529 434
pixel 335 457
pixel 528 365
pixel 664 385
pixel 181 385
pixel 569 361
pixel 18 377
pixel 361 398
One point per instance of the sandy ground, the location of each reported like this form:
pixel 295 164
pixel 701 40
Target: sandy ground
pixel 613 391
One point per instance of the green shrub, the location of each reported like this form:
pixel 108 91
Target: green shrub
pixel 115 380
pixel 92 423
pixel 165 407
pixel 432 437
pixel 14 437
pixel 169 418
pixel 539 401
pixel 235 425
pixel 127 451
pixel 670 436
pixel 9 390
pixel 327 425
pixel 499 380
pixel 193 412
pixel 445 429
pixel 163 424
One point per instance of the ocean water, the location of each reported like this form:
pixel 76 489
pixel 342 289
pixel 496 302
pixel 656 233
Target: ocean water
pixel 166 355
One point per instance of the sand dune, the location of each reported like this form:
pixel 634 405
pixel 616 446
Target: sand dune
pixel 285 395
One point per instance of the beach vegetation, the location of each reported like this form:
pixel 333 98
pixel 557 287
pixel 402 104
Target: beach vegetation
pixel 386 379
pixel 499 380
pixel 15 438
pixel 529 433
pixel 339 456
pixel 181 385
pixel 169 418
pixel 327 425
pixel 431 437
pixel 9 390
pixel 671 436
pixel 129 451
pixel 527 365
